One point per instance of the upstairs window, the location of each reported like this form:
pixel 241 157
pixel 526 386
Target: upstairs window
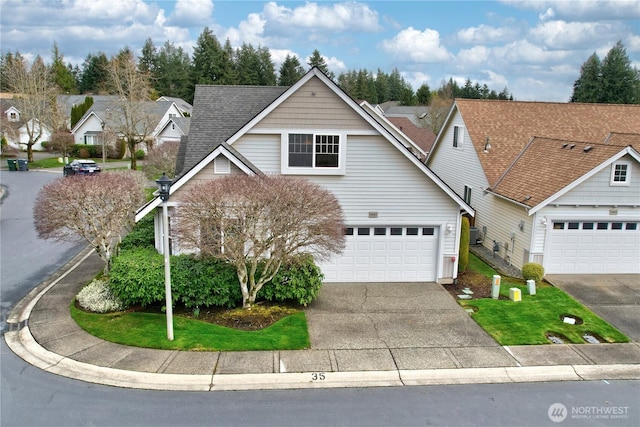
pixel 467 195
pixel 458 136
pixel 307 153
pixel 620 173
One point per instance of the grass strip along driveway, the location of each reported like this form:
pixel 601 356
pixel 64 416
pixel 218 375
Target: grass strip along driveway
pixel 536 317
pixel 150 330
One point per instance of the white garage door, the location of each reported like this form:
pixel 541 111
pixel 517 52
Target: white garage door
pixel 592 247
pixel 381 254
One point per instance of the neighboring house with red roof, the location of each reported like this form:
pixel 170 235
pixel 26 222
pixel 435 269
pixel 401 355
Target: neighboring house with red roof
pixel 402 222
pixel 552 183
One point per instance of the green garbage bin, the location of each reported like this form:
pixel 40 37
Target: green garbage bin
pixel 13 164
pixel 23 165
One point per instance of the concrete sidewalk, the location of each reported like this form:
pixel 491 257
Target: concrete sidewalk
pixel 361 335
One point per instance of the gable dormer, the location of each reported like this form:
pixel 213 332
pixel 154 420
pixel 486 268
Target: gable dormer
pixel 12 114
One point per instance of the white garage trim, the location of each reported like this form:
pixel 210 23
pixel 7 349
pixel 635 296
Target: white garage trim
pixel 386 254
pixel 593 247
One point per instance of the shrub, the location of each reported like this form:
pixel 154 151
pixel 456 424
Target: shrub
pixel 137 277
pixel 142 235
pixel 204 282
pixel 139 154
pixel 98 298
pixel 463 257
pixel 83 153
pixel 121 150
pixel 533 271
pixel 300 281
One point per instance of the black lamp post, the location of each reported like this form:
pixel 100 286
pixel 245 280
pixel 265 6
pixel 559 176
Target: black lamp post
pixel 104 152
pixel 164 185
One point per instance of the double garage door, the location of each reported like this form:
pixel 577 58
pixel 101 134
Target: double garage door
pixel 593 247
pixel 385 254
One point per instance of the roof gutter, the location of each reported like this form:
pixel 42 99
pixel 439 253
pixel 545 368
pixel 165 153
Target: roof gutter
pixel 526 207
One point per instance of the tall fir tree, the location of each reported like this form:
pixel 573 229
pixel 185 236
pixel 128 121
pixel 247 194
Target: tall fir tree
pixel 62 75
pixel 588 86
pixel 290 71
pixel 316 60
pixel 620 80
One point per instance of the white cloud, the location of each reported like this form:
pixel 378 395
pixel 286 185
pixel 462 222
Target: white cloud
pixel 524 52
pixel 563 35
pixel 472 57
pixel 486 34
pixel 582 10
pixel 191 13
pixel 418 46
pixel 633 43
pixel 547 14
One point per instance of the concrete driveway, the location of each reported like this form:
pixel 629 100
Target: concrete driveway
pixel 391 315
pixel 614 297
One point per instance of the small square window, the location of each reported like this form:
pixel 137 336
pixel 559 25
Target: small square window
pixel 616 226
pixel 603 226
pixel 429 231
pixel 558 225
pixel 364 231
pixel 631 226
pixel 412 231
pixel 587 226
pixel 573 225
pixel 348 231
pixel 620 173
pixel 395 231
pixel 380 231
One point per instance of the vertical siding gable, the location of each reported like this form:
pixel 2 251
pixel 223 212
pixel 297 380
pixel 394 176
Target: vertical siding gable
pixel 314 106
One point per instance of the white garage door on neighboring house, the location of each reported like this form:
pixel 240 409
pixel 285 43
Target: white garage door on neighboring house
pixel 385 254
pixel 593 247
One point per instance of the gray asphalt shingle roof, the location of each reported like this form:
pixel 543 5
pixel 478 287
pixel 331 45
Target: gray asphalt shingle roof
pixel 218 113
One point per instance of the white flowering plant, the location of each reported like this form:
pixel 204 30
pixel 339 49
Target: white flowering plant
pixel 98 298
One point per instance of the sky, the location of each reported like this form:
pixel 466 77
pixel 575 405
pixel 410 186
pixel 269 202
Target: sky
pixel 533 48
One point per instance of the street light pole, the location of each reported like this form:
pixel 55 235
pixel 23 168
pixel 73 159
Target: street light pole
pixel 164 184
pixel 104 152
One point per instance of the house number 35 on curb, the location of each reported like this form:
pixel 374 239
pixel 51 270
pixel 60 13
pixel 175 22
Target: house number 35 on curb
pixel 317 376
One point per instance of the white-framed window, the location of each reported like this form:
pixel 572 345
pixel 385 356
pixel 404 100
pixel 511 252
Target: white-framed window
pixel 458 136
pixel 313 153
pixel 91 139
pixel 467 195
pixel 621 173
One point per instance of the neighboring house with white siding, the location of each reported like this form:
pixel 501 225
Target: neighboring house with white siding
pixel 552 183
pixel 402 221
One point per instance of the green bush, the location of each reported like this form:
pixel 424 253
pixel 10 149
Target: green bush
pixel 533 271
pixel 299 280
pixel 142 235
pixel 204 282
pixel 139 154
pixel 98 298
pixel 463 257
pixel 137 277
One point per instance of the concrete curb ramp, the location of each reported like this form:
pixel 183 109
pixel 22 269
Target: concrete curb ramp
pixel 24 345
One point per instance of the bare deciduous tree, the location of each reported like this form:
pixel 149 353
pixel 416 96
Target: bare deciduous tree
pixel 97 209
pixel 257 223
pixel 35 95
pixel 131 116
pixel 162 159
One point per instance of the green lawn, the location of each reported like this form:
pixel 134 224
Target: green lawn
pixel 150 330
pixel 52 162
pixel 530 320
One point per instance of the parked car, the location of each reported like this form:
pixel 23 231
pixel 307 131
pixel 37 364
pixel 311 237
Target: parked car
pixel 81 167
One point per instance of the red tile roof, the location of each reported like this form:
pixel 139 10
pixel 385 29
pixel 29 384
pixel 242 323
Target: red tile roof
pixel 512 124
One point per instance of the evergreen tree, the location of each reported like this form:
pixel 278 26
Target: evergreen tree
pixel 247 65
pixel 587 87
pixel 620 81
pixel 266 69
pixel 95 74
pixel 62 75
pixel 423 95
pixel 316 60
pixel 149 58
pixel 227 65
pixel 290 71
pixel 207 60
pixel 172 72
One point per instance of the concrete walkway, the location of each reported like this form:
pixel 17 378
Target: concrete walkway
pixel 361 335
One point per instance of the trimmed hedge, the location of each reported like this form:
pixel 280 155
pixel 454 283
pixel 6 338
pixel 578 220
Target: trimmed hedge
pixel 142 235
pixel 533 271
pixel 137 278
pixel 299 281
pixel 463 257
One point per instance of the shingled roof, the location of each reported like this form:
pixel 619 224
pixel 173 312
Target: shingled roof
pixel 510 125
pixel 421 136
pixel 218 113
pixel 546 166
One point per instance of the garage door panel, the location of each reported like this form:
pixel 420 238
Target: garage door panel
pixel 384 258
pixel 594 251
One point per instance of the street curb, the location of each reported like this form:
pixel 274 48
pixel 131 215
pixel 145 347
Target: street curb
pixel 24 345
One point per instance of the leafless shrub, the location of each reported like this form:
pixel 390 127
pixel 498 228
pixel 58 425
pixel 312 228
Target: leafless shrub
pixel 162 159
